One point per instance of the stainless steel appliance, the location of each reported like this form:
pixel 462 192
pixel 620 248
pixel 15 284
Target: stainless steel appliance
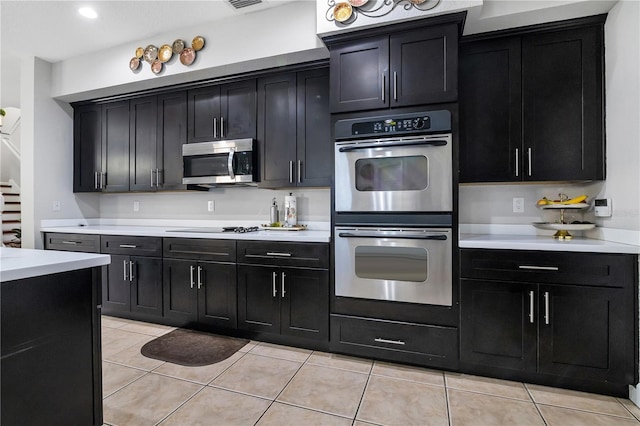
pixel 220 162
pixel 401 163
pixel 394 264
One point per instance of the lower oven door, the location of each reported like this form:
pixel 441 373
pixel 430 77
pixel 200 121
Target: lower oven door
pixel 400 264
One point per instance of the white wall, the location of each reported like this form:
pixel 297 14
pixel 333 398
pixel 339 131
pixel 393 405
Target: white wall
pixel 47 156
pixel 273 37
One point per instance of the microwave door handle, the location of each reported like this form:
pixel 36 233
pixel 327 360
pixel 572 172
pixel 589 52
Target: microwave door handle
pixel 396 236
pixel 230 164
pixel 435 142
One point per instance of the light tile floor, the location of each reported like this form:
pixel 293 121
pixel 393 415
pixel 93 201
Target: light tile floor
pixel 265 384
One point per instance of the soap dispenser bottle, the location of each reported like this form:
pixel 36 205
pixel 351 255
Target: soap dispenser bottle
pixel 274 212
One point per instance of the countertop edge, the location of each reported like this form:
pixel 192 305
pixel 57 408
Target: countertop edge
pixel 34 263
pixel 543 243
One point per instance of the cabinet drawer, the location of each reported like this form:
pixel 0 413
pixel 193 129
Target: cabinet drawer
pixel 306 255
pixel 612 270
pixel 136 246
pixel 72 242
pixel 398 341
pixel 200 249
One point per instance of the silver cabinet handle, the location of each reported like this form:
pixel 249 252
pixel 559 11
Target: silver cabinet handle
pixel 299 171
pixel 95 180
pixel 531 307
pixel 282 282
pixel 199 277
pixel 158 171
pixel 103 180
pixel 539 268
pixel 128 246
pixel 191 269
pixel 71 242
pixel 529 159
pixel 275 253
pixel 546 307
pixel 152 177
pixel 517 162
pixel 290 171
pixel 131 271
pixel 393 342
pixel 221 126
pixel 395 85
pixel 215 127
pixel 384 84
pixel 273 283
pixel 124 270
pixel 232 152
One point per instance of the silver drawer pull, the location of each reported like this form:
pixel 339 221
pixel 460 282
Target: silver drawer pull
pixel 71 242
pixel 539 268
pixel 128 246
pixel 531 307
pixel 274 253
pixel 273 282
pixel 393 342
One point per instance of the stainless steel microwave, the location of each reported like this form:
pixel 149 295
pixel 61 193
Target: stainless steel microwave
pixel 220 162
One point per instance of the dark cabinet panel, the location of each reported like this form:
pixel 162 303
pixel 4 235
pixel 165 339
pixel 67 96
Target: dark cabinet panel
pixel 217 294
pixel 563 104
pixel 179 291
pixel 199 249
pixel 87 147
pixel 171 135
pixel 277 129
pixel 304 303
pixel 203 113
pixel 116 288
pixel 424 66
pixel 360 74
pixel 238 110
pixel 72 242
pixel 314 144
pixel 491 111
pixel 143 113
pixel 115 142
pixel 497 326
pixel 258 299
pixel 146 286
pixel 277 253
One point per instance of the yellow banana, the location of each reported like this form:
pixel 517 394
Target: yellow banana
pixel 576 200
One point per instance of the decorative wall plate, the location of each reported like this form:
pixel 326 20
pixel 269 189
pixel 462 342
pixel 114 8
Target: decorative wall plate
pixel 150 53
pixel 156 66
pixel 359 3
pixel 187 56
pixel 197 43
pixel 134 63
pixel 139 52
pixel 342 11
pixel 178 46
pixel 165 53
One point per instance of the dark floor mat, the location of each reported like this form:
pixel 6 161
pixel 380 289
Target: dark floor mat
pixel 192 348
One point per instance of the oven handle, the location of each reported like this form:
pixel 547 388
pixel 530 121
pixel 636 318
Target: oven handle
pixel 393 144
pixel 395 236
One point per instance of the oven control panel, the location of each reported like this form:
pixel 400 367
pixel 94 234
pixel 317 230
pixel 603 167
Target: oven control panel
pixel 412 123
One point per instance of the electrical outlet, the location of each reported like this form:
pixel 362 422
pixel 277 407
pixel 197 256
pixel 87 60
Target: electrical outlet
pixel 56 206
pixel 136 206
pixel 211 206
pixel 518 205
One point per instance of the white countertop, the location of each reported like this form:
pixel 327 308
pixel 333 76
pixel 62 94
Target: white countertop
pixel 19 263
pixel 313 236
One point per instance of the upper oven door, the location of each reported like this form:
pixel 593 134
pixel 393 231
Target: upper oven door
pixel 409 174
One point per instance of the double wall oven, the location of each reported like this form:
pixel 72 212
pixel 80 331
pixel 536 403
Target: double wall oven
pixel 393 200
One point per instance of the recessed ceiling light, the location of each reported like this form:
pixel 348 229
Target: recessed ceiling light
pixel 88 12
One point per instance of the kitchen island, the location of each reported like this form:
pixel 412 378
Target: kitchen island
pixel 50 365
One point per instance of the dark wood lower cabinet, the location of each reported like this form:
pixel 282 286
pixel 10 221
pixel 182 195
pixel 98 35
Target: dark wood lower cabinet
pixel 287 301
pixel 199 293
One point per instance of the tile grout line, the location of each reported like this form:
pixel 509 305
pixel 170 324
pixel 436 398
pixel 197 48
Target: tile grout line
pixel 634 416
pixel 446 397
pixel 180 405
pixel 535 404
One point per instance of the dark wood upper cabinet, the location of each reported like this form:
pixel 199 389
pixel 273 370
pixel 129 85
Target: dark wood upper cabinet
pixel 87 147
pixel 171 135
pixel 407 68
pixel 531 107
pixel 115 146
pixel 143 113
pixel 226 111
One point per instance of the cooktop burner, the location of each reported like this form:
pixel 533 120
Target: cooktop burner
pixel 217 230
pixel 240 229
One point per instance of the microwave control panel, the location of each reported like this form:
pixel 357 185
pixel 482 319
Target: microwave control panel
pixel 412 123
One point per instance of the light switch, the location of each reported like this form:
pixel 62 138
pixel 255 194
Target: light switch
pixel 136 206
pixel 210 206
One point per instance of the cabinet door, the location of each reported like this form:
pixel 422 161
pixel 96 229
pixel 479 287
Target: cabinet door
pixel 143 113
pixel 498 324
pixel 146 286
pixel 277 129
pixel 491 111
pixel 217 294
pixel 360 74
pixel 258 299
pixel 238 110
pixel 305 303
pixel 315 147
pixel 87 147
pixel 204 114
pixel 424 66
pixel 562 105
pixel 172 134
pixel 115 138
pixel 583 334
pixel 180 297
pixel 116 287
